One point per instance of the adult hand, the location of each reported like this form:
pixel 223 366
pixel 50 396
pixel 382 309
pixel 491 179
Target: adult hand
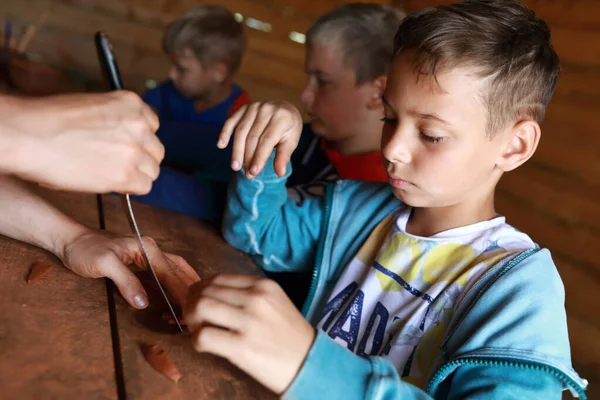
pixel 82 142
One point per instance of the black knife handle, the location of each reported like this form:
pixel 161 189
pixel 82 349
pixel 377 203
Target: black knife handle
pixel 108 63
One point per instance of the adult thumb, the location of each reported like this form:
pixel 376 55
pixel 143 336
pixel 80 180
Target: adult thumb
pixel 128 284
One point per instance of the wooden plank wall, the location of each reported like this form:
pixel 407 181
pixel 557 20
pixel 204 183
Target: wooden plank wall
pixel 272 67
pixel 555 196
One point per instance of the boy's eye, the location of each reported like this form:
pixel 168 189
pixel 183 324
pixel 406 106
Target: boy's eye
pixel 431 139
pixel 387 120
pixel 322 82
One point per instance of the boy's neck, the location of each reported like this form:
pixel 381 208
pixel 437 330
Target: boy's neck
pixel 213 98
pixel 426 222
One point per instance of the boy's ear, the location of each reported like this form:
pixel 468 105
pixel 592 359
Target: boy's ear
pixel 219 72
pixel 377 87
pixel 522 142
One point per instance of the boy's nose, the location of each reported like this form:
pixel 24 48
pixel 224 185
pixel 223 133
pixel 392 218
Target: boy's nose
pixel 307 97
pixel 172 74
pixel 396 149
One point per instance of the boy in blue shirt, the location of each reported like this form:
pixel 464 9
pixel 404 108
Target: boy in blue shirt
pixel 420 289
pixel 205 47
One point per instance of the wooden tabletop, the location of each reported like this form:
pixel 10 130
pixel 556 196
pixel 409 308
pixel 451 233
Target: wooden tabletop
pixel 54 347
pixel 50 345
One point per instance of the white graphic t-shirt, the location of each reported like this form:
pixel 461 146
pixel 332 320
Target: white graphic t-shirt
pixel 398 294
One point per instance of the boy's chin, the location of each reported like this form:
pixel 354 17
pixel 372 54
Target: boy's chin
pixel 409 199
pixel 328 135
pixel 187 94
pixel 318 128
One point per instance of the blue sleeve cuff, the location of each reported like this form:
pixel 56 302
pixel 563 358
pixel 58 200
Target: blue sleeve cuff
pixel 268 173
pixel 329 372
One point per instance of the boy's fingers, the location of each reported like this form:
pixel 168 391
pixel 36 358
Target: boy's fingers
pixel 217 341
pixel 176 277
pixel 231 281
pixel 240 281
pixel 254 138
pixel 229 127
pixel 233 296
pixel 266 145
pixel 207 310
pixel 183 270
pixel 282 158
pixel 241 133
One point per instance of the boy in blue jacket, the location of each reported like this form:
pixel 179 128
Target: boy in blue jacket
pixel 420 289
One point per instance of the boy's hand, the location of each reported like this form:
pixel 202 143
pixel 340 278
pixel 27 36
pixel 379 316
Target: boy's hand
pixel 97 254
pixel 259 128
pixel 252 323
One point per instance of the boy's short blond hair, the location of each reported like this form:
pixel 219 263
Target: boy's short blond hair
pixel 504 43
pixel 363 32
pixel 211 33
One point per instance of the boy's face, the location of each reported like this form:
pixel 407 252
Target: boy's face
pixel 190 78
pixel 337 106
pixel 434 143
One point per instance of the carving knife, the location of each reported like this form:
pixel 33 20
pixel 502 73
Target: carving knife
pixel 110 71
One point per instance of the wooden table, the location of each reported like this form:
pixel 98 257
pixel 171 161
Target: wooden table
pixel 70 337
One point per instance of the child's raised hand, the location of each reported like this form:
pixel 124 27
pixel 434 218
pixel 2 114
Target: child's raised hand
pixel 252 323
pixel 259 128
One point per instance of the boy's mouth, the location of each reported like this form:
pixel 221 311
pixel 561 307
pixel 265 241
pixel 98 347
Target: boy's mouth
pixel 399 183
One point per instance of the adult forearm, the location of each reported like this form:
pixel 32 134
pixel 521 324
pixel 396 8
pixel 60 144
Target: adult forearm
pixel 27 217
pixel 9 137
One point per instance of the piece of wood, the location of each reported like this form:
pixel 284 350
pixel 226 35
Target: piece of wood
pixel 55 339
pixel 37 271
pixel 161 362
pixel 205 376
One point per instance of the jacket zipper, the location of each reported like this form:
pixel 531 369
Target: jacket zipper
pixel 320 252
pixel 486 362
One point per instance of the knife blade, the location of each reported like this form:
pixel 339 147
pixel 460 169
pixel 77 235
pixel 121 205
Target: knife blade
pixel 111 74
